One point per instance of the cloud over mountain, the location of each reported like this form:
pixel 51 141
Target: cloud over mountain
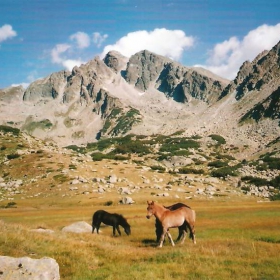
pixel 170 43
pixel 226 57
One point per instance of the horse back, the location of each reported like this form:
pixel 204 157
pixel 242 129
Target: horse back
pixel 178 216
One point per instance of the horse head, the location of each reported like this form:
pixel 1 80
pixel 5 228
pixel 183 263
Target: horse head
pixel 127 230
pixel 150 209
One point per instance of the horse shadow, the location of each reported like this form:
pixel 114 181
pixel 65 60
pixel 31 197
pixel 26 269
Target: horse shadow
pixel 149 242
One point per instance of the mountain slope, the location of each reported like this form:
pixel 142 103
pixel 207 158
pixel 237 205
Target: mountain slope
pixel 149 94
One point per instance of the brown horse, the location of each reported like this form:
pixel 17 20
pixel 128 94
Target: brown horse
pixel 181 228
pixel 171 219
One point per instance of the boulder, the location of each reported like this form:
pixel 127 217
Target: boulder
pixel 127 200
pixel 79 227
pixel 27 268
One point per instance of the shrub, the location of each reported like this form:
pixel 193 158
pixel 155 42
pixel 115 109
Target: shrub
pixel 72 166
pixel 60 178
pixel 132 147
pixel 97 156
pixel 218 138
pixel 276 182
pixel 158 167
pixel 11 204
pixel 173 145
pixel 108 203
pixel 272 162
pixel 218 164
pixel 275 197
pixel 224 172
pixel 13 156
pixel 187 170
pixel 7 129
pixel 255 180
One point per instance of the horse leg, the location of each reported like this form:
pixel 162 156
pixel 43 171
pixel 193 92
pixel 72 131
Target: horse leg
pixel 192 233
pixel 97 225
pixel 170 238
pixel 180 233
pixel 118 229
pixel 162 238
pixel 114 230
pixel 184 236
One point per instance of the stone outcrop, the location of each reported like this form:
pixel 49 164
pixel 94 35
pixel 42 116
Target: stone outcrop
pixel 176 81
pixel 256 75
pixel 27 268
pixel 148 94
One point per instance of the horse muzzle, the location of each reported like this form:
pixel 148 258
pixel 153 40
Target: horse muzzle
pixel 148 216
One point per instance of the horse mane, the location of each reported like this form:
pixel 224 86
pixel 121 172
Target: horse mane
pixel 122 219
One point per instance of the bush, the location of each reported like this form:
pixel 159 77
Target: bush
pixel 224 172
pixel 13 156
pixel 158 167
pixel 7 129
pixel 255 180
pixel 276 182
pixel 272 162
pixel 173 145
pixel 187 170
pixel 218 164
pixel 218 138
pixel 98 156
pixel 108 203
pixel 132 147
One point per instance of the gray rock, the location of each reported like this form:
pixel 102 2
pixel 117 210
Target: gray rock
pixel 78 227
pixel 127 200
pixel 27 268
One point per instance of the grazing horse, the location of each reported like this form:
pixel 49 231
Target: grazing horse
pixel 109 219
pixel 171 219
pixel 181 228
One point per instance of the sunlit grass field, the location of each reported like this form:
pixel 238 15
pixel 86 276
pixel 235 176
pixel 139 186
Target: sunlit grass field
pixel 235 240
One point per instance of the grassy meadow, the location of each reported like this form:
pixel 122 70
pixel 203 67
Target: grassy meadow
pixel 238 236
pixel 235 240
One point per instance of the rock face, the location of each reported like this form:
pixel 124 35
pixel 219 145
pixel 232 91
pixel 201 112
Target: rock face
pixel 27 268
pixel 181 83
pixel 263 71
pixel 148 94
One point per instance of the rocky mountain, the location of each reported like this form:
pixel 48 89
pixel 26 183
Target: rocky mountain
pixel 149 94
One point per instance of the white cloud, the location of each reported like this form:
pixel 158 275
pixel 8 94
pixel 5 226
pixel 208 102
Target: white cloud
pixel 7 32
pixel 24 85
pixel 57 51
pixel 98 39
pixel 59 55
pixel 170 43
pixel 69 64
pixel 226 58
pixel 82 39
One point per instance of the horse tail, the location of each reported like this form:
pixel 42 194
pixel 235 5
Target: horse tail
pixel 194 215
pixel 191 226
pixel 93 223
pixel 95 219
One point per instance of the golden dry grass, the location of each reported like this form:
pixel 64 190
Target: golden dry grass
pixel 234 240
pixel 237 237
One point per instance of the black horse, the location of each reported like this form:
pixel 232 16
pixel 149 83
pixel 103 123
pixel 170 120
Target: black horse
pixel 181 228
pixel 109 219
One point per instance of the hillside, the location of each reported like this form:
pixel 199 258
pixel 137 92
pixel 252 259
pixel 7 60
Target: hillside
pixel 134 167
pixel 148 94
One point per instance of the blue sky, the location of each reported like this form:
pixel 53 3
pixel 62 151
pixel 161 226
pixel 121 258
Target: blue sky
pixel 39 37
